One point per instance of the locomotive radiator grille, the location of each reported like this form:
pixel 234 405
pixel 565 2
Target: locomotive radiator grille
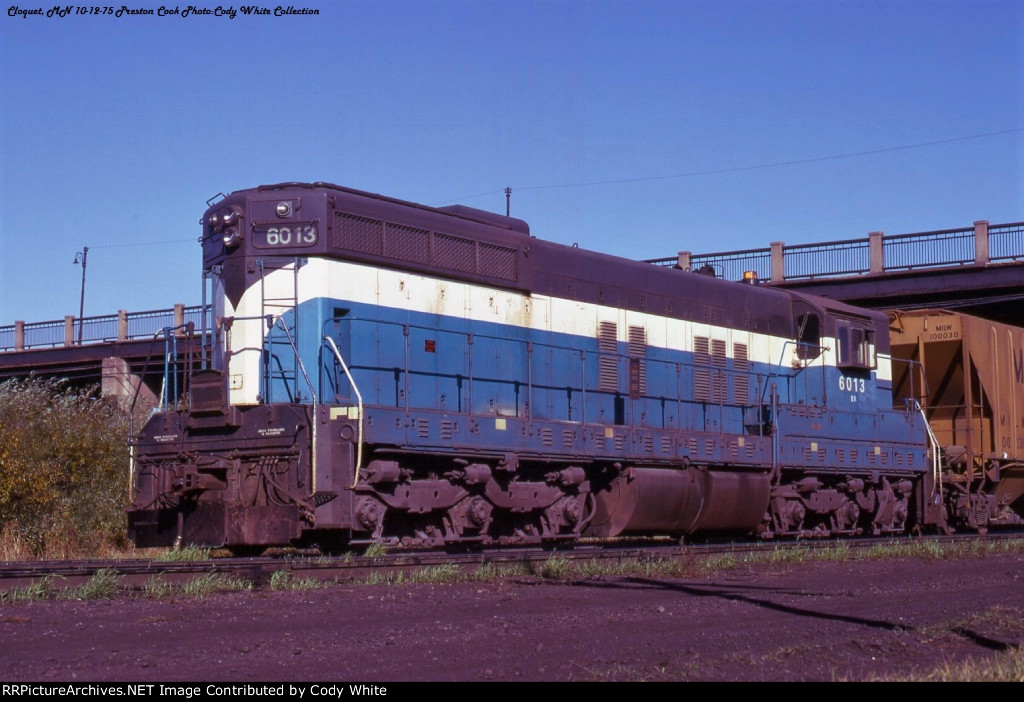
pixel 358 233
pixel 455 252
pixel 499 262
pixel 407 243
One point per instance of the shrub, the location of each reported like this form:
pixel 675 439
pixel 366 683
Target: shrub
pixel 63 470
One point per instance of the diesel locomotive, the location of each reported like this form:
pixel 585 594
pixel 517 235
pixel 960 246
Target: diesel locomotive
pixel 384 371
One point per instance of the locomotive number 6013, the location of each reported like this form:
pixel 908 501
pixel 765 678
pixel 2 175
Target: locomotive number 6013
pixel 271 236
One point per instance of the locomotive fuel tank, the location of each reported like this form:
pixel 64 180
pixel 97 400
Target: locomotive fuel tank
pixel 655 500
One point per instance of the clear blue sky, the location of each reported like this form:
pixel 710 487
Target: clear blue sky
pixel 115 131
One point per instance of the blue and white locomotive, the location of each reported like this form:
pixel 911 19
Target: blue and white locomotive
pixel 387 371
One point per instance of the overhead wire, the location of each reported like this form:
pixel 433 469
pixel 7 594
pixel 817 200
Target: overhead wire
pixel 737 169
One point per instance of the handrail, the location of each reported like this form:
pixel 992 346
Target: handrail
pixel 359 400
pixel 936 469
pixel 302 367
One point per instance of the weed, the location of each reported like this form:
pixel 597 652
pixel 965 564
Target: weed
pixel 186 553
pixel 285 580
pixel 444 573
pixel 377 577
pixel 1007 666
pixel 156 588
pixel 376 551
pixel 39 590
pixel 555 568
pixel 209 583
pixel 101 586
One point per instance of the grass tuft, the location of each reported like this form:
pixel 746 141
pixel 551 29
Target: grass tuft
pixel 186 553
pixel 40 590
pixel 444 573
pixel 101 586
pixel 210 583
pixel 281 580
pixel 376 551
pixel 1007 666
pixel 556 568
pixel 157 588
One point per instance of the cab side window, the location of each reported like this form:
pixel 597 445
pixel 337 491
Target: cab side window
pixel 855 346
pixel 808 336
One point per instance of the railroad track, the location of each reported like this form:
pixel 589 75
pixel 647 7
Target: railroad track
pixel 134 573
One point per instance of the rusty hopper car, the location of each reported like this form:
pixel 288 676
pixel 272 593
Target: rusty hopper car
pixel 968 375
pixel 383 371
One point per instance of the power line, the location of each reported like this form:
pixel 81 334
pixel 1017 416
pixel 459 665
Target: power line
pixel 145 243
pixel 737 169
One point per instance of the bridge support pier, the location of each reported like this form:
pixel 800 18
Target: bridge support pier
pixel 120 383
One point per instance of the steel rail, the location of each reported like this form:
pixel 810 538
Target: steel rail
pixel 352 568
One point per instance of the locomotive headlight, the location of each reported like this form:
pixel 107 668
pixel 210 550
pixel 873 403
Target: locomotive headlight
pixel 283 209
pixel 232 238
pixel 230 217
pixel 214 222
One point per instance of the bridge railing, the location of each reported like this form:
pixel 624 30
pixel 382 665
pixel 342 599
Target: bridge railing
pixel 1006 242
pixel 877 253
pixel 123 326
pixel 951 247
pixel 849 257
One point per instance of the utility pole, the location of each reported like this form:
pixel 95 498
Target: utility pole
pixel 80 257
pixel 508 198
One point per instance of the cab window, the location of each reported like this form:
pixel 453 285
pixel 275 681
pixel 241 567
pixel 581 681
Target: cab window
pixel 855 345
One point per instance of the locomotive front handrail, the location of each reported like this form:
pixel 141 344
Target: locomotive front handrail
pixel 359 400
pixel 273 322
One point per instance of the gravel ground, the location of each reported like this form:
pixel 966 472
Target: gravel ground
pixel 846 621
